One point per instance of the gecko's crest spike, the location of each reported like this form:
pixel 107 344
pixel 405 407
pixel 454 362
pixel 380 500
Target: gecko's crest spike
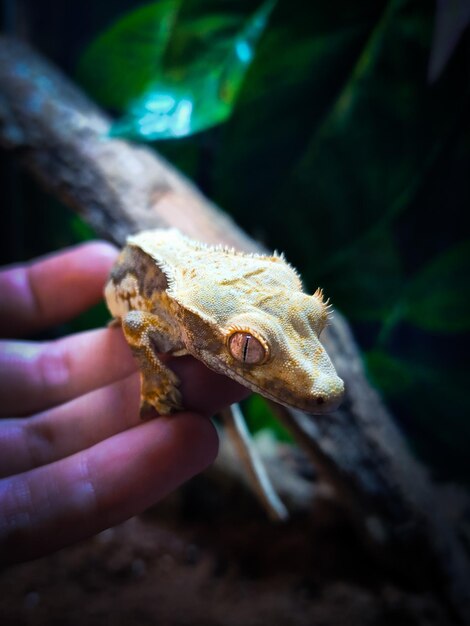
pixel 326 307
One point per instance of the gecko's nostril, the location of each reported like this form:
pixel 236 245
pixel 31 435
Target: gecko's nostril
pixel 320 400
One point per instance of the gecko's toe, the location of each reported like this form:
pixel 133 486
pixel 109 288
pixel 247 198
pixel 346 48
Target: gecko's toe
pixel 147 411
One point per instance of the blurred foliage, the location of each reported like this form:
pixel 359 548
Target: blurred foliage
pixel 345 142
pixel 259 417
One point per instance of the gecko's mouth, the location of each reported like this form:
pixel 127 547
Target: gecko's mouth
pixel 317 404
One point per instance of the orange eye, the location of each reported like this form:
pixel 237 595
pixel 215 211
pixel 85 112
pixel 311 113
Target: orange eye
pixel 246 348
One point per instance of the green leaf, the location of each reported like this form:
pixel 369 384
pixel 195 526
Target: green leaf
pixel 369 287
pixel 438 297
pixel 81 230
pixel 260 417
pixel 120 64
pixel 390 374
pixel 185 99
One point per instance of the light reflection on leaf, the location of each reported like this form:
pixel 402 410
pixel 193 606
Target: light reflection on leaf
pixel 176 106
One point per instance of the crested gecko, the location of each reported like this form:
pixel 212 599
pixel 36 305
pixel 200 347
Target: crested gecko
pixel 242 315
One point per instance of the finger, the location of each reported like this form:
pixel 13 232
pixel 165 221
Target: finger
pixel 69 428
pixel 203 390
pixel 89 419
pixel 36 376
pixel 56 505
pixel 53 289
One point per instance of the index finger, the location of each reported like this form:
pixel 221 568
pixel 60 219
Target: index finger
pixel 53 289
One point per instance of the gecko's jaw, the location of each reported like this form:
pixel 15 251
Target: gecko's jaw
pixel 318 403
pixel 316 394
pixel 324 397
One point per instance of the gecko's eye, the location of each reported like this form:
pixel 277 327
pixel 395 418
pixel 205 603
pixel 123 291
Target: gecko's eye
pixel 246 348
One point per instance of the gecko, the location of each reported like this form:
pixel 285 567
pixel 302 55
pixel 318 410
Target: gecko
pixel 243 315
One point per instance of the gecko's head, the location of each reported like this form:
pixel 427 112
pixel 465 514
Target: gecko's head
pixel 273 348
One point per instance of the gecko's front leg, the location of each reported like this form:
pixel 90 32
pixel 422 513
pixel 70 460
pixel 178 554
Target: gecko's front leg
pixel 147 336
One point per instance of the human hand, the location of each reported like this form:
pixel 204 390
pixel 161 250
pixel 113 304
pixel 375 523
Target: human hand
pixel 75 458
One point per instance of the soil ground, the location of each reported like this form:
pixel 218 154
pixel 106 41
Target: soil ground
pixel 208 556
